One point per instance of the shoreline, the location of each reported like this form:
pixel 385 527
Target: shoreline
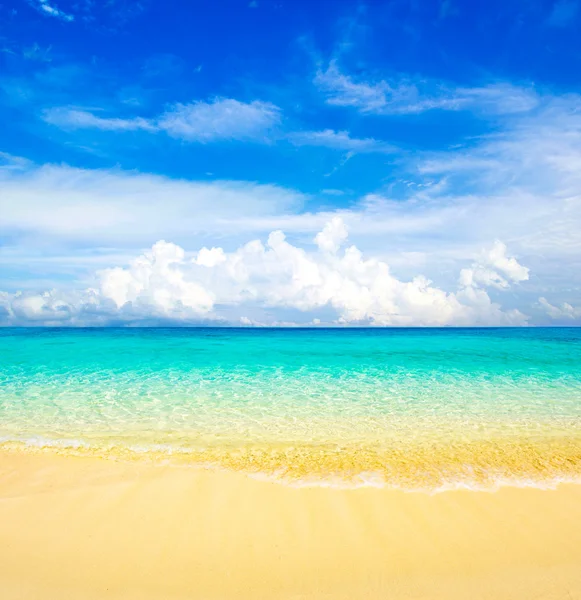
pixel 429 468
pixel 77 527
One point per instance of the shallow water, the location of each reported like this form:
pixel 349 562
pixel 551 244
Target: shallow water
pixel 411 408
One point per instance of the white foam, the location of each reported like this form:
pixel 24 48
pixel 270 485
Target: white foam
pixel 365 479
pixel 38 441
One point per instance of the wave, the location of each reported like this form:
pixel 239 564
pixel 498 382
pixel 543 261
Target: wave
pixel 482 466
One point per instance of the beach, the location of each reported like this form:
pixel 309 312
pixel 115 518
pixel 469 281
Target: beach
pixel 87 528
pixel 290 300
pixel 283 465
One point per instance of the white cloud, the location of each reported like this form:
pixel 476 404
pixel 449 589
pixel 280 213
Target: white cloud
pixel 563 312
pixel 532 166
pixel 82 119
pixel 340 140
pixel 166 283
pixel 411 96
pixel 520 184
pixel 333 235
pixel 342 90
pixel 14 163
pixel 224 118
pixel 499 98
pixel 104 207
pixel 54 308
pixel 210 257
pixel 221 119
pixel 156 281
pixel 48 9
pixel 54 218
pixel 494 269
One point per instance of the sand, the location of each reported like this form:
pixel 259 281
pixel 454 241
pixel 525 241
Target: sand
pixel 85 528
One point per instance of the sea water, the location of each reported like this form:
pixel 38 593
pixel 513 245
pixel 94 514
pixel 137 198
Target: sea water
pixel 421 409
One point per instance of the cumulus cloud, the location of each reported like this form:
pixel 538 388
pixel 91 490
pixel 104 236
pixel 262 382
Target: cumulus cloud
pixel 65 222
pixel 168 283
pixel 210 257
pixel 332 236
pixel 55 307
pixel 220 119
pixel 563 312
pixel 494 269
pixel 155 280
pixel 520 184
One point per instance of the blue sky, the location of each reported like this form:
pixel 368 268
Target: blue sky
pixel 440 141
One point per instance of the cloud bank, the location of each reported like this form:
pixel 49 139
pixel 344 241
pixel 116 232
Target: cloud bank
pixel 330 283
pixel 433 213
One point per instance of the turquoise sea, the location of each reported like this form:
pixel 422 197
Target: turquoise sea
pixel 409 408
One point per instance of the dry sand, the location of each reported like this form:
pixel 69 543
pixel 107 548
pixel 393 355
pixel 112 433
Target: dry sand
pixel 82 528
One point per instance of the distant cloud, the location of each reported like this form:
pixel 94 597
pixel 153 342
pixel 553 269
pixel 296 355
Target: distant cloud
pixel 342 90
pixel 221 119
pixel 81 119
pixel 564 312
pixel 538 152
pixel 168 283
pixel 519 183
pixel 46 8
pixel 339 140
pixel 407 96
pixel 9 162
pixel 224 118
pixel 333 235
pixel 563 13
pixel 494 269
pixel 498 98
pixel 121 208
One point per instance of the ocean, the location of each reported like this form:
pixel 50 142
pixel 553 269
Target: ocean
pixel 414 409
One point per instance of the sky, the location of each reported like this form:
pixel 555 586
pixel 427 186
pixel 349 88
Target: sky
pixel 283 163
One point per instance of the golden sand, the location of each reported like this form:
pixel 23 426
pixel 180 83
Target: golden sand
pixel 423 463
pixel 84 528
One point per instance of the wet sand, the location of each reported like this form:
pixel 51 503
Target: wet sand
pixel 86 528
